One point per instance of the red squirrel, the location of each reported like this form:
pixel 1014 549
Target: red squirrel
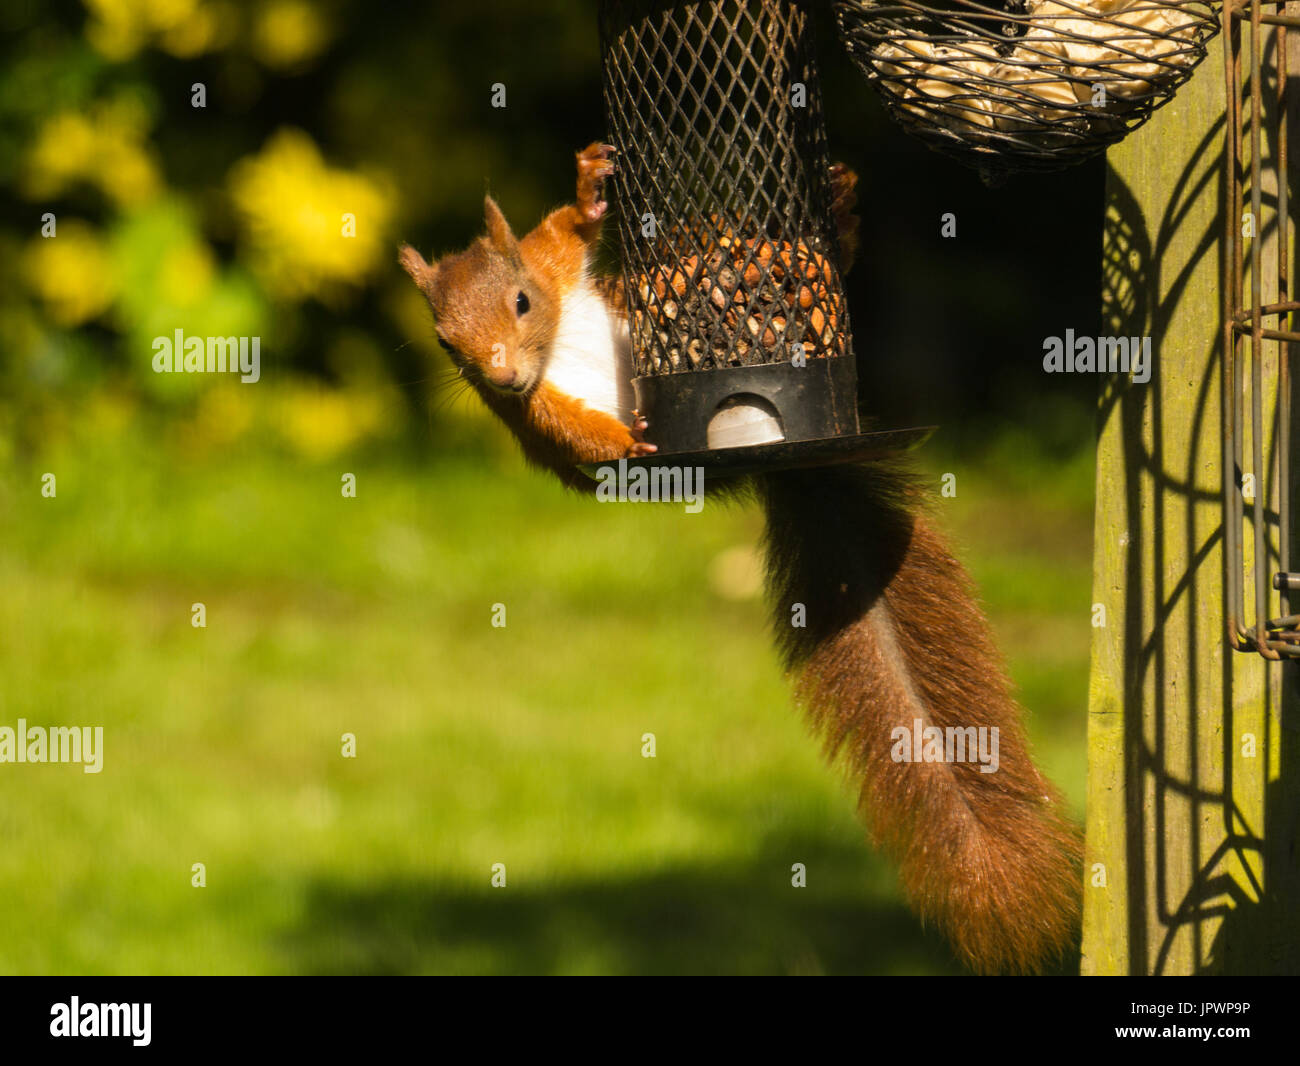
pixel 893 635
pixel 542 341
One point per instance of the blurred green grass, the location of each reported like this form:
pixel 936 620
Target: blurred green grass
pixel 475 745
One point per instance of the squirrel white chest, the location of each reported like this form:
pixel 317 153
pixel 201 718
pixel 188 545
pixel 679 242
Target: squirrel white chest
pixel 591 359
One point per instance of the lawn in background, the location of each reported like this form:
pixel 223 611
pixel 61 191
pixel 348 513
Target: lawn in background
pixel 475 745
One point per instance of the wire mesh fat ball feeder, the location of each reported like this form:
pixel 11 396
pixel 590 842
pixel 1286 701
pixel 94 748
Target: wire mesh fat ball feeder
pixel 1024 85
pixel 740 329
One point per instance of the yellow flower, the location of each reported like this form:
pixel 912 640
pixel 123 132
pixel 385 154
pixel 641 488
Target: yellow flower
pixel 64 151
pixel 105 148
pixel 312 230
pixel 211 27
pixel 288 33
pixel 319 422
pixel 118 29
pixel 186 274
pixel 71 273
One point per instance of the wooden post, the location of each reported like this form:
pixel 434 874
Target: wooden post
pixel 1191 861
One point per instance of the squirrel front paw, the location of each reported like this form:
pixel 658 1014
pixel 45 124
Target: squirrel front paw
pixel 640 446
pixel 595 164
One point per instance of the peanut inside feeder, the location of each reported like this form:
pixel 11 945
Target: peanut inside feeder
pixel 775 298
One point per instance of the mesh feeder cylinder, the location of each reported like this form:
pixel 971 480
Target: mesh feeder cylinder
pixel 740 328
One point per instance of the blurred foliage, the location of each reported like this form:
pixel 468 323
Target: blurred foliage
pixel 228 219
pixel 130 213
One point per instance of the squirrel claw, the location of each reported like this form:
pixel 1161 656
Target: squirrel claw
pixel 640 448
pixel 597 154
pixel 594 166
pixel 639 425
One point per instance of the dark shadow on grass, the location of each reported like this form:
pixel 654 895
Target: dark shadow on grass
pixel 739 917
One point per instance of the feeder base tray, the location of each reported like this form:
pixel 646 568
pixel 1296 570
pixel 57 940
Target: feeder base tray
pixel 783 455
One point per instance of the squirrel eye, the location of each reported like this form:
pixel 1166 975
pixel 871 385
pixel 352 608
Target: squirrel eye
pixel 521 304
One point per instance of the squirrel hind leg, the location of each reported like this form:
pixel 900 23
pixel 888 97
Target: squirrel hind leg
pixel 844 199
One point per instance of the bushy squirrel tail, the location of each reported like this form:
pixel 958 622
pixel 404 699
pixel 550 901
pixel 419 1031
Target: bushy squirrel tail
pixel 892 635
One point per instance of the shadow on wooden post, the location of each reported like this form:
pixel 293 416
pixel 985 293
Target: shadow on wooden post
pixel 1191 863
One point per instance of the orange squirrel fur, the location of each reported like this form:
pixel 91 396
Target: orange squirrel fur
pixel 893 633
pixel 475 297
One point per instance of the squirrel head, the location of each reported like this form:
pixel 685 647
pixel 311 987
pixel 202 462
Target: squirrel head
pixel 495 317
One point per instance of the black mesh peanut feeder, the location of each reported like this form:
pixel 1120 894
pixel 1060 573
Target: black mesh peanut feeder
pixel 740 329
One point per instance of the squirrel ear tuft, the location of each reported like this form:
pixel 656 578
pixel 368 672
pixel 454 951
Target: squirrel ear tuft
pixel 413 263
pixel 499 234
